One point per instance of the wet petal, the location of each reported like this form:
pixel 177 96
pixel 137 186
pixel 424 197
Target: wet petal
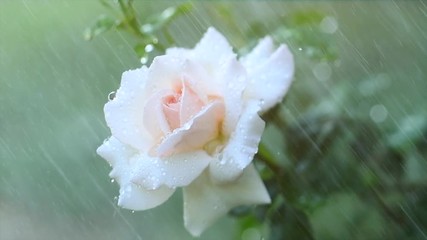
pixel 270 79
pixel 241 148
pixel 123 113
pixel 212 50
pixel 164 73
pixel 154 117
pixel 191 104
pixel 195 133
pixel 174 171
pixel 259 54
pixel 131 196
pixel 205 202
pixel 233 77
pixel 199 80
pixel 135 197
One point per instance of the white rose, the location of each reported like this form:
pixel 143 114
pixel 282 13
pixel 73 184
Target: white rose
pixel 192 120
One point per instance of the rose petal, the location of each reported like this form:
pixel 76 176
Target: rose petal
pixel 154 117
pixel 137 198
pixel 174 171
pixel 131 196
pixel 241 148
pixel 191 104
pixel 123 113
pixel 270 79
pixel 200 81
pixel 172 115
pixel 212 50
pixel 233 77
pixel 195 133
pixel 164 73
pixel 258 55
pixel 205 202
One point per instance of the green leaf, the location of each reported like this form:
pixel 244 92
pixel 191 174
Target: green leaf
pixel 102 24
pixel 163 19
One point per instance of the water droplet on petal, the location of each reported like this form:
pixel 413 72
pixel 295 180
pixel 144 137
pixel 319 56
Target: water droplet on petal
pixel 111 96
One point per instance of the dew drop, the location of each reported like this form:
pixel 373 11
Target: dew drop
pixel 149 48
pixel 112 180
pixel 133 211
pixel 144 60
pixel 147 28
pixel 111 96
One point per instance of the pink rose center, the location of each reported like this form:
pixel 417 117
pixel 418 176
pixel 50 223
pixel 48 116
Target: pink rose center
pixel 181 106
pixel 167 112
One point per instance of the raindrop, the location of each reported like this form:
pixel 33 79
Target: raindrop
pixel 299 49
pixel 149 48
pixel 111 95
pixel 112 180
pixel 329 25
pixel 147 28
pixel 378 113
pixel 144 60
pixel 133 211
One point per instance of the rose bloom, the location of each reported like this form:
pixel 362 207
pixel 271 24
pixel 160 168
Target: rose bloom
pixel 191 120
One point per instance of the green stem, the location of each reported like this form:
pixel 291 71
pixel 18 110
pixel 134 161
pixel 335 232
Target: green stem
pixel 130 19
pixel 266 157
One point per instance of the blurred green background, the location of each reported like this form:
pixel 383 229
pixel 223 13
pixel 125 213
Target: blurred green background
pixel 53 85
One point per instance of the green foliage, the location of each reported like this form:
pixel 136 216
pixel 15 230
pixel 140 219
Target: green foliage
pixel 147 31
